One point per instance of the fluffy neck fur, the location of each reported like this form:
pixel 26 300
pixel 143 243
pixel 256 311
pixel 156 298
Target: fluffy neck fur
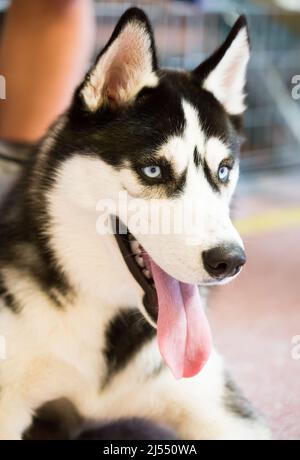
pixel 91 263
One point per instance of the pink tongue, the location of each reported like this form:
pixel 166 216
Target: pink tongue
pixel 184 336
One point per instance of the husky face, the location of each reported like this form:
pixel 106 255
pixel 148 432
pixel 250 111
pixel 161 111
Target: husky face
pixel 163 136
pixel 169 136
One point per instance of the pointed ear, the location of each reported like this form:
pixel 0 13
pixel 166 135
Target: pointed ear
pixel 224 73
pixel 127 64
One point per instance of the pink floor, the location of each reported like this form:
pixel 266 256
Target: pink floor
pixel 255 318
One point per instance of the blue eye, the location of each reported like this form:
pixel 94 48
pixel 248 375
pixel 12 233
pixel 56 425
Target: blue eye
pixel 223 173
pixel 153 172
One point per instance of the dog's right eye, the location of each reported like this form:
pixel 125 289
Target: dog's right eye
pixel 152 172
pixel 223 174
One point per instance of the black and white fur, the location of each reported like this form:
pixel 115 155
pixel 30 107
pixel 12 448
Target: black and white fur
pixel 71 313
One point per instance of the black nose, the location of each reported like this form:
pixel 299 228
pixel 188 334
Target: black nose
pixel 223 261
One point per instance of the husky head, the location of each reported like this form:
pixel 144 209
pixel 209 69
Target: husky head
pixel 167 137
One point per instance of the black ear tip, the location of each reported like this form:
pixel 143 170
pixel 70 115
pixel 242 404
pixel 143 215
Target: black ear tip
pixel 241 23
pixel 135 13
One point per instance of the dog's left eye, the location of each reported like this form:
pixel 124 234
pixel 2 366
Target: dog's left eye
pixel 153 172
pixel 223 173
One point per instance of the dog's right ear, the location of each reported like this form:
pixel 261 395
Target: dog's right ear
pixel 126 65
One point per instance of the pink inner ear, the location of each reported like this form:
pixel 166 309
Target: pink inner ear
pixel 123 70
pixel 115 82
pixel 124 74
pixel 129 66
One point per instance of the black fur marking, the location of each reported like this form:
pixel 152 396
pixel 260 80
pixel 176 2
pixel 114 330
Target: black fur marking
pixel 170 184
pixel 197 158
pixel 236 402
pixel 130 429
pixel 8 298
pixel 130 134
pixel 210 177
pixel 144 92
pixel 135 133
pixel 238 124
pixel 178 186
pixel 213 119
pixel 24 223
pixel 125 336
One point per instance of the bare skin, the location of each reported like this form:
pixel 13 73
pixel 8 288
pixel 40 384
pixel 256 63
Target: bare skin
pixel 45 50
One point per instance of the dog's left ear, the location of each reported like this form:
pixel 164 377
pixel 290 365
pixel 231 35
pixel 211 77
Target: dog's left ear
pixel 127 64
pixel 224 73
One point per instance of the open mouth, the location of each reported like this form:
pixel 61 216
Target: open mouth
pixel 183 331
pixel 135 258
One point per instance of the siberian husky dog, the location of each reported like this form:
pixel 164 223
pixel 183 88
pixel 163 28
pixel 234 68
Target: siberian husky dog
pixel 113 321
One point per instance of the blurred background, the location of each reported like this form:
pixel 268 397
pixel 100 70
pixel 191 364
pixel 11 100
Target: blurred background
pixel 256 318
